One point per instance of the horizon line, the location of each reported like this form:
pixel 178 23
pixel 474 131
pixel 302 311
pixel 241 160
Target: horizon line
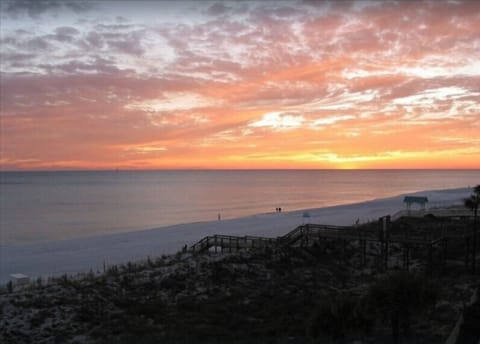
pixel 239 169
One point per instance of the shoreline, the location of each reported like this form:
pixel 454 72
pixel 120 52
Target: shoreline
pixel 72 256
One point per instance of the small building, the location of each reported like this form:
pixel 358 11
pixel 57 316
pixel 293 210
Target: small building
pixel 20 279
pixel 420 200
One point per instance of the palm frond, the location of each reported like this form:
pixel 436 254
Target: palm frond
pixel 469 202
pixel 476 190
pixel 473 202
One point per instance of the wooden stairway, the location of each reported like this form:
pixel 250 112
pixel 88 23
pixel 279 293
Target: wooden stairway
pixel 299 236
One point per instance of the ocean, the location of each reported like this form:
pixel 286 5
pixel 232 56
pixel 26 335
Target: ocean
pixel 47 206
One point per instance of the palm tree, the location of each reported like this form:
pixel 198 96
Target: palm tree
pixel 472 203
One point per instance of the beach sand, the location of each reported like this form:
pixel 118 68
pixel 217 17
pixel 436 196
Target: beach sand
pixel 81 255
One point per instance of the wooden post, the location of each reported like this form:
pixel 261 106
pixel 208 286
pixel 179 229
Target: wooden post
pixel 364 252
pixel 385 221
pixel 474 245
pixel 430 258
pixel 408 257
pixel 444 254
pixel 405 256
pixel 386 255
pixel 467 251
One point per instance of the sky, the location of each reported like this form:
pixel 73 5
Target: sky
pixel 243 85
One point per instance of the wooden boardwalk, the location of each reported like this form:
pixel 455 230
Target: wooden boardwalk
pixel 383 235
pixel 230 243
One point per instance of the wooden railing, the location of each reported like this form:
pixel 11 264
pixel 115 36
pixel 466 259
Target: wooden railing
pixel 405 238
pixel 306 234
pixel 231 243
pixel 310 231
pixel 234 243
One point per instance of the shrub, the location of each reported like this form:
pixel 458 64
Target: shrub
pixel 337 316
pixel 399 296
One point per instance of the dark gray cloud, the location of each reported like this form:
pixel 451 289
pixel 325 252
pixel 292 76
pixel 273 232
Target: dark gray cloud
pixel 12 57
pixel 113 27
pixel 218 9
pixel 120 19
pixel 127 46
pixel 80 6
pixel 95 39
pixel 67 50
pixel 97 65
pixel 66 30
pixel 62 38
pixel 38 44
pixel 35 8
pixel 115 41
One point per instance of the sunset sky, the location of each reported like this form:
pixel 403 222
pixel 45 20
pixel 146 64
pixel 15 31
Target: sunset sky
pixel 280 84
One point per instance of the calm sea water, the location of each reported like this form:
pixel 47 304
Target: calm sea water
pixel 43 206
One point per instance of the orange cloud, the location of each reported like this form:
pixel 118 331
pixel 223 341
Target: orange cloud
pixel 256 85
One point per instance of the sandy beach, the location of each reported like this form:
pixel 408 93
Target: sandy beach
pixel 81 255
